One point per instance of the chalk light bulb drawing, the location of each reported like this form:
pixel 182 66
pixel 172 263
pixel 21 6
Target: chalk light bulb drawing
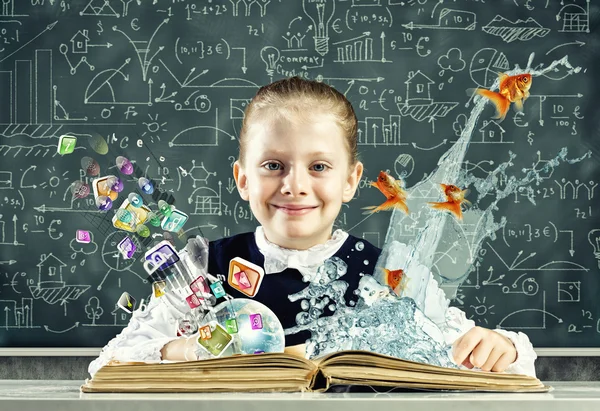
pixel 594 239
pixel 321 13
pixel 270 55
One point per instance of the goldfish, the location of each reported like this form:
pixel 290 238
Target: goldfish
pixel 394 278
pixel 393 191
pixel 454 198
pixel 512 89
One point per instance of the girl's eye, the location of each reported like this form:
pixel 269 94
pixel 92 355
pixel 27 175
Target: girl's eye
pixel 272 166
pixel 320 167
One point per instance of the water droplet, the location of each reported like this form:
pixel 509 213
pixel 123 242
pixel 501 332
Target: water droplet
pixel 366 262
pixel 135 199
pixel 103 203
pixel 80 189
pixel 98 143
pixel 165 208
pixel 124 165
pixel 332 307
pixel 124 216
pixel 145 185
pixel 360 246
pixel 153 219
pixel 142 230
pixel 90 166
pixel 304 305
pixel 114 183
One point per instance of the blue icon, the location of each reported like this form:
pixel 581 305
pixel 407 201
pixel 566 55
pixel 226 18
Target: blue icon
pixel 217 289
pixel 135 199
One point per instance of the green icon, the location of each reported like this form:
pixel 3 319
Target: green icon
pixel 164 208
pixel 153 219
pixel 142 230
pixel 231 325
pixel 66 144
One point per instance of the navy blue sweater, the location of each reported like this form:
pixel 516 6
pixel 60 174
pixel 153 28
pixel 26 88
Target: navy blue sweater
pixel 276 287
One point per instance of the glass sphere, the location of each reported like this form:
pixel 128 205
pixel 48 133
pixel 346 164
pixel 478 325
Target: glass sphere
pixel 257 328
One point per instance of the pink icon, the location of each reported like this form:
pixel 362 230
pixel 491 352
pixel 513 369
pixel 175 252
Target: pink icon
pixel 83 236
pixel 242 280
pixel 199 285
pixel 256 321
pixel 193 301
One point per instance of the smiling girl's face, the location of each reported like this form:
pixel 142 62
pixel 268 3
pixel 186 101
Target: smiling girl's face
pixel 296 175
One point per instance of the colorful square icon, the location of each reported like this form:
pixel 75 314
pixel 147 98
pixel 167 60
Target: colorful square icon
pixel 174 222
pixel 245 276
pixel 231 325
pixel 193 301
pixel 256 321
pixel 83 236
pixel 140 215
pixel 66 144
pixel 165 250
pixel 205 333
pixel 127 248
pixel 217 289
pixel 101 188
pixel 199 285
pixel 218 342
pixel 159 288
pixel 126 302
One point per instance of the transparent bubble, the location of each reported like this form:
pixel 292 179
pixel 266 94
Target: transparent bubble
pixel 366 262
pixel 80 189
pixel 153 219
pixel 98 143
pixel 124 216
pixel 145 185
pixel 90 166
pixel 332 307
pixel 142 230
pixel 124 165
pixel 115 184
pixel 135 199
pixel 103 203
pixel 165 208
pixel 304 305
pixel 359 246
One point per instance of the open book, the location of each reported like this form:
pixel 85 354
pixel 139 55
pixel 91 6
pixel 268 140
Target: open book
pixel 279 372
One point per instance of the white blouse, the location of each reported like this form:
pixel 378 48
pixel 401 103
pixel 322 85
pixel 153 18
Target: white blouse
pixel 155 324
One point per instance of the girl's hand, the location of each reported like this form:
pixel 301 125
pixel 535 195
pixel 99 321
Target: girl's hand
pixel 484 349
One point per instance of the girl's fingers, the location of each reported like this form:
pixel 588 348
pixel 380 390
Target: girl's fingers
pixel 492 359
pixel 503 362
pixel 481 353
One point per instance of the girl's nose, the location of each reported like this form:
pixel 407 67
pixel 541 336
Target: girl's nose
pixel 295 183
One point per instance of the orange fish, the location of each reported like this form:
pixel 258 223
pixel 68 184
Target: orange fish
pixel 512 89
pixel 393 191
pixel 394 278
pixel 454 198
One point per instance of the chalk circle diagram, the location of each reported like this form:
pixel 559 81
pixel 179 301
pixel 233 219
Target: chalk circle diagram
pixel 404 165
pixel 113 258
pixel 485 66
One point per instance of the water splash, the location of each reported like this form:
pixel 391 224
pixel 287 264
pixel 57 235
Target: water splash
pixel 440 243
pixel 381 322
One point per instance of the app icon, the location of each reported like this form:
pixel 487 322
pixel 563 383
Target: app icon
pixel 66 145
pixel 126 302
pixel 231 325
pixel 175 221
pixel 218 342
pixel 159 288
pixel 165 250
pixel 193 301
pixel 245 276
pixel 83 236
pixel 101 187
pixel 256 321
pixel 217 289
pixel 205 333
pixel 199 285
pixel 139 214
pixel 127 247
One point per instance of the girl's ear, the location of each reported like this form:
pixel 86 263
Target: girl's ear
pixel 241 180
pixel 352 182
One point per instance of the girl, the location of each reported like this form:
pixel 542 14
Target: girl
pixel 298 163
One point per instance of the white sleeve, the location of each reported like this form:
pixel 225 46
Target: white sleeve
pixel 148 331
pixel 453 323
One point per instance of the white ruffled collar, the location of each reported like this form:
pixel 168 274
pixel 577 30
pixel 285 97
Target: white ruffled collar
pixel 307 261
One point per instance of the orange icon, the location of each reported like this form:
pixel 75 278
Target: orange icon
pixel 245 276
